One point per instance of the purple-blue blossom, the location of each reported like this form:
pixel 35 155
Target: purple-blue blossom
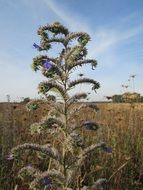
pixel 36 46
pixel 46 181
pixel 89 125
pixel 107 149
pixel 47 64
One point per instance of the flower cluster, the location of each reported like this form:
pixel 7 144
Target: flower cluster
pixel 67 151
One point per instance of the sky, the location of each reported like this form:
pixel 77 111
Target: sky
pixel 115 27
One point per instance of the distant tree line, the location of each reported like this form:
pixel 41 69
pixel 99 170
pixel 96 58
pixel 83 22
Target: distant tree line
pixel 127 97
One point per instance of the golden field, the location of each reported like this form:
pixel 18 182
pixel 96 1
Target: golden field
pixel 121 127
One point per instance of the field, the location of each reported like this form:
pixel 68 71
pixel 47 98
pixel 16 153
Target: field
pixel 121 127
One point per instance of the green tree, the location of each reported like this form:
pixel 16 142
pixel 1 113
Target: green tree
pixel 141 99
pixel 131 97
pixel 117 98
pixel 67 158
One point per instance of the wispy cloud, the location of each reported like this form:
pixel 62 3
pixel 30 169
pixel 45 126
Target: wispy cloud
pixel 72 20
pixel 105 38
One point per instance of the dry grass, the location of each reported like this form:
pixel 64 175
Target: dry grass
pixel 121 127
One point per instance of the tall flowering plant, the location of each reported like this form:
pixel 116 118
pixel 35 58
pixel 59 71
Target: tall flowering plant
pixel 67 150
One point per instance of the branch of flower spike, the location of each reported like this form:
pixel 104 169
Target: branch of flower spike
pixel 76 97
pixel 48 178
pixel 51 152
pixel 75 111
pixel 81 158
pixel 83 62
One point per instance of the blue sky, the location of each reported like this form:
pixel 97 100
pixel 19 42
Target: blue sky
pixel 115 27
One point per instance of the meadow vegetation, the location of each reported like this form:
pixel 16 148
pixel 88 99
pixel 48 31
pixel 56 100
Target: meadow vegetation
pixel 63 142
pixel 115 128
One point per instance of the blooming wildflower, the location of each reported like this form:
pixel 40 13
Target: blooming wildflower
pixel 47 64
pixel 10 157
pixel 107 149
pixel 36 46
pixel 89 125
pixel 46 181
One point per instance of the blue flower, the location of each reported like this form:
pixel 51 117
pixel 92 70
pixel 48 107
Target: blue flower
pixel 46 181
pixel 107 149
pixel 47 64
pixel 36 46
pixel 89 125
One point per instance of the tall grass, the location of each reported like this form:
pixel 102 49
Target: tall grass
pixel 121 126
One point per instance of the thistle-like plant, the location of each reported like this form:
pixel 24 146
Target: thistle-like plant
pixel 67 150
